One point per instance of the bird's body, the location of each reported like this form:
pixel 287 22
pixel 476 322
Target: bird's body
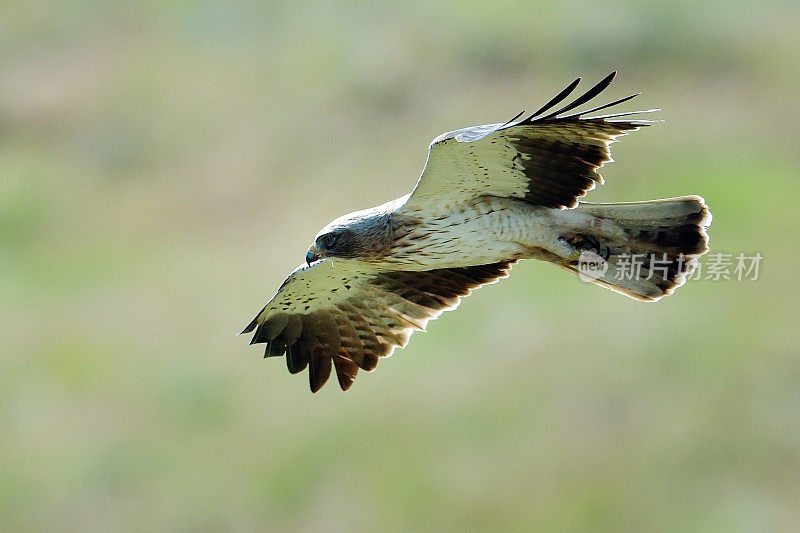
pixel 488 197
pixel 490 229
pixel 439 237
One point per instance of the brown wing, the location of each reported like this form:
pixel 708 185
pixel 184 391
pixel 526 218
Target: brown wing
pixel 328 319
pixel 549 158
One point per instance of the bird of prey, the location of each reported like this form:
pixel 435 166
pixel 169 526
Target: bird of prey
pixel 488 197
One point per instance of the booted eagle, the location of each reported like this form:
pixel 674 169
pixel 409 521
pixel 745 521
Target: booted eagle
pixel 488 197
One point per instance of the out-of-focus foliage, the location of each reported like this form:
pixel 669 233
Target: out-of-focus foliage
pixel 164 165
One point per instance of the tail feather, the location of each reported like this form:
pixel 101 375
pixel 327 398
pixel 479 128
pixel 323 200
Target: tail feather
pixel 644 250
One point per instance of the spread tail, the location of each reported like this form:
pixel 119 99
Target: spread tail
pixel 644 250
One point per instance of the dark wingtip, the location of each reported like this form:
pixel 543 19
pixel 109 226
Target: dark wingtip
pixel 319 370
pixel 250 327
pixel 346 369
pixel 608 79
pixel 579 114
pixel 315 386
pixel 555 100
pixel 275 348
pixel 588 95
pixel 512 119
pixel 585 97
pixel 260 336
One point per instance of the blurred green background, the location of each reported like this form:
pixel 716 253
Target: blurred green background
pixel 163 166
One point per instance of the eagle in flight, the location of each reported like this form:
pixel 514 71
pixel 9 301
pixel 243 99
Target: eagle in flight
pixel 488 197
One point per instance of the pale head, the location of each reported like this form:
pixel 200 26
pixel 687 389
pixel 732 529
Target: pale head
pixel 362 235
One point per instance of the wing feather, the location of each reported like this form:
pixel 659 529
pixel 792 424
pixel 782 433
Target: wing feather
pixel 585 97
pixel 319 368
pixel 346 369
pixel 345 315
pixel 549 158
pixel 557 99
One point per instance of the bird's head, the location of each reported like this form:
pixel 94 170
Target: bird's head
pixel 330 243
pixel 360 235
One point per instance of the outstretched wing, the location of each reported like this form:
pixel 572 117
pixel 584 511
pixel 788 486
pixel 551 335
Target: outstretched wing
pixel 344 314
pixel 550 158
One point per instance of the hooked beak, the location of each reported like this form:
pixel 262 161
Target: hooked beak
pixel 311 255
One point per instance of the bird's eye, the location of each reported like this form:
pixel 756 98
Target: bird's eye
pixel 328 240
